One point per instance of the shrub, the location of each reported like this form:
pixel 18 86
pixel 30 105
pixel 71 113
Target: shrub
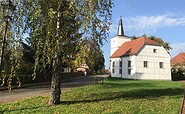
pixel 178 72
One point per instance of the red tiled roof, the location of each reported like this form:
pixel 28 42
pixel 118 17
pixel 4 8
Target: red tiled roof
pixel 180 58
pixel 132 47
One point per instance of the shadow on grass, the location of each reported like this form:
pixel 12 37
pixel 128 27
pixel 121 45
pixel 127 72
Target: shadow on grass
pixel 123 85
pixel 21 109
pixel 131 95
pixel 135 94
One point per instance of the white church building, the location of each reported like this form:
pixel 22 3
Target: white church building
pixel 141 58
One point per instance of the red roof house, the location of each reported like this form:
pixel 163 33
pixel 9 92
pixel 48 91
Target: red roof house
pixel 141 58
pixel 178 59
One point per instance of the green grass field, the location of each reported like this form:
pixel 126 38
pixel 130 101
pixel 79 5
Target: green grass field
pixel 114 96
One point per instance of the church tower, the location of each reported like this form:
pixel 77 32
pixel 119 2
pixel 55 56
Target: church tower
pixel 118 40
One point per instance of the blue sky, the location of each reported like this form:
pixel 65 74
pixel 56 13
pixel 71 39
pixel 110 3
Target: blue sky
pixel 161 18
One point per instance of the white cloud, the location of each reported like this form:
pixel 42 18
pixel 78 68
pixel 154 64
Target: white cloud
pixel 140 25
pixel 177 48
pixel 148 24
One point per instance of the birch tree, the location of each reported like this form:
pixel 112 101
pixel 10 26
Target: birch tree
pixel 56 26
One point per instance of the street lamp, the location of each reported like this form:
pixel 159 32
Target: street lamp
pixel 8 9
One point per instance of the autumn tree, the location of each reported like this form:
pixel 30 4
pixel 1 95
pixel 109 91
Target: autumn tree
pixel 99 62
pixel 55 28
pixel 90 53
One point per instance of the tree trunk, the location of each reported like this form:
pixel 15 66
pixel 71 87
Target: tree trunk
pixel 55 83
pixel 56 71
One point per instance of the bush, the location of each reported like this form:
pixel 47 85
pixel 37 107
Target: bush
pixel 178 72
pixel 178 76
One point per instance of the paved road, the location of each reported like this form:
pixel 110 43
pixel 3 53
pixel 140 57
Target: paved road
pixel 19 94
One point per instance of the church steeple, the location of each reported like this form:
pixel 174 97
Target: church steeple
pixel 120 28
pixel 118 40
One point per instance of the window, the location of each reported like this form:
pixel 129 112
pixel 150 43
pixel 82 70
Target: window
pixel 145 64
pixel 110 63
pixel 161 65
pixel 120 71
pixel 155 50
pixel 129 71
pixel 129 63
pixel 112 70
pixel 113 64
pixel 120 64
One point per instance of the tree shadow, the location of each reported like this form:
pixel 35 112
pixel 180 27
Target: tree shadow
pixel 130 85
pixel 106 96
pixel 134 94
pixel 20 109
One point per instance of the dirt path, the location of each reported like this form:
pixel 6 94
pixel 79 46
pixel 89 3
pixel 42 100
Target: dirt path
pixel 19 94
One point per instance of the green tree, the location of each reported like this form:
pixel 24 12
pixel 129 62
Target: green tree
pixel 91 54
pixel 95 59
pixel 13 53
pixel 99 63
pixel 56 27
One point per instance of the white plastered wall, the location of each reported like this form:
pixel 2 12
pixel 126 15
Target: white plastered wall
pixel 117 41
pixel 115 67
pixel 153 71
pixel 124 67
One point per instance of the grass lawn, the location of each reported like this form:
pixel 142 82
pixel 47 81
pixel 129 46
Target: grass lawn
pixel 113 96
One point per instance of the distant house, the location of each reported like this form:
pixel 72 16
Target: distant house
pixel 82 68
pixel 141 58
pixel 178 67
pixel 178 59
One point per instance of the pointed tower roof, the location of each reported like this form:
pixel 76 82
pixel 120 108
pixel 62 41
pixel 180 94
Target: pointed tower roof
pixel 120 28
